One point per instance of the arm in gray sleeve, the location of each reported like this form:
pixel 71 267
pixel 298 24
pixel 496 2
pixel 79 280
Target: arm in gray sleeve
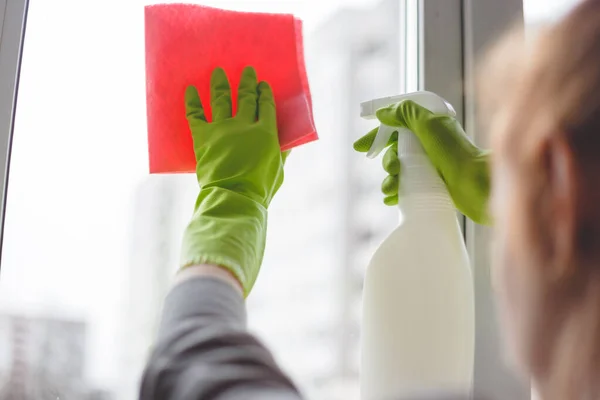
pixel 204 350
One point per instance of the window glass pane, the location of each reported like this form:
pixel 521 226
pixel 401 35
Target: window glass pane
pixel 92 241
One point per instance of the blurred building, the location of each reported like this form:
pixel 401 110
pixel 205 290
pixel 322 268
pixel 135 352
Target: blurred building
pixel 43 358
pixel 163 204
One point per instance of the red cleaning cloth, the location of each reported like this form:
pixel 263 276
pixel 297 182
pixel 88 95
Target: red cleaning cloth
pixel 184 43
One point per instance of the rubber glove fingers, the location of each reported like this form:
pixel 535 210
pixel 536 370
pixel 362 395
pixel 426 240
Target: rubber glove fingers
pixel 247 104
pixel 391 183
pixel 267 116
pixel 221 98
pixel 194 111
pixel 266 111
pixel 401 114
pixel 220 95
pixel 390 162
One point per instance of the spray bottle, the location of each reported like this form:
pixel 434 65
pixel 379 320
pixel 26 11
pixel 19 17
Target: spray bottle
pixel 418 328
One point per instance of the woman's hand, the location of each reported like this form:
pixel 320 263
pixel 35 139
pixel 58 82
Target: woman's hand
pixel 463 166
pixel 239 170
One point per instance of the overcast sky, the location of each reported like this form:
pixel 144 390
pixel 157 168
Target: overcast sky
pixel 80 150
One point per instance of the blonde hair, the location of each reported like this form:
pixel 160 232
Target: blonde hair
pixel 533 92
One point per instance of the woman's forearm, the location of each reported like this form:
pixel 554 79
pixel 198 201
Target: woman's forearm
pixel 208 271
pixel 204 350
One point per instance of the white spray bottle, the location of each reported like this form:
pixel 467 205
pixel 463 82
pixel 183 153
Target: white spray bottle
pixel 418 328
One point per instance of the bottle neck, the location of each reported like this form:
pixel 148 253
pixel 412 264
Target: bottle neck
pixel 421 187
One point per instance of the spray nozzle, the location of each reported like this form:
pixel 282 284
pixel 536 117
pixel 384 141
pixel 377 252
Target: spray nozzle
pixel 428 100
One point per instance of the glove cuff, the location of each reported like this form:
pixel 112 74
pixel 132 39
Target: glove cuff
pixel 229 230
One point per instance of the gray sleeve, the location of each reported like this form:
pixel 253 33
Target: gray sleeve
pixel 204 350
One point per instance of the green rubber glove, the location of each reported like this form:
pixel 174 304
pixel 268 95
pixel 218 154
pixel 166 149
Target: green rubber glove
pixel 239 170
pixel 463 166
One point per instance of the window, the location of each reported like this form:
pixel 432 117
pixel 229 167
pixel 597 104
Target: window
pixel 91 240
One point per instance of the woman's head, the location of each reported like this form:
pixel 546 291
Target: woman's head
pixel 545 124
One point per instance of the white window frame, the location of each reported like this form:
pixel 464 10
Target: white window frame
pixel 484 21
pixel 453 36
pixel 13 14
